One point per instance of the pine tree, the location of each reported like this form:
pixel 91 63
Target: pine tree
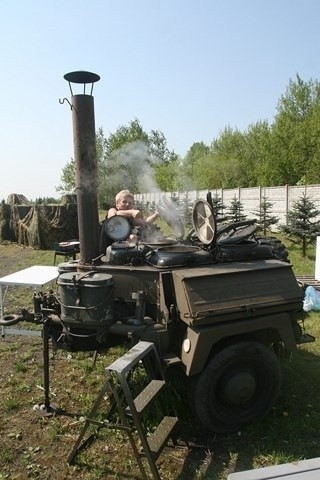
pixel 217 206
pixel 236 210
pixel 300 228
pixel 264 218
pixel 186 208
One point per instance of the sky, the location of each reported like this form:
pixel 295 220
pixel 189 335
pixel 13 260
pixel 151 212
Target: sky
pixel 188 68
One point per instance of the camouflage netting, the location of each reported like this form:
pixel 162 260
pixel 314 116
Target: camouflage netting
pixel 38 226
pixel 17 199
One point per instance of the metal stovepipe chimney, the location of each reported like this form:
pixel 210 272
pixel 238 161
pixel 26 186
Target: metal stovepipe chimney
pixel 85 157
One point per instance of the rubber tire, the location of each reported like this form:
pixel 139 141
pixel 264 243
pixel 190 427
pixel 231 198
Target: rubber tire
pixel 9 320
pixel 279 250
pixel 259 368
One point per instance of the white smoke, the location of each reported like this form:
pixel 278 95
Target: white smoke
pixel 136 157
pixel 135 160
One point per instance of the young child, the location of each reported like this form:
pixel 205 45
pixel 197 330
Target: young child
pixel 125 207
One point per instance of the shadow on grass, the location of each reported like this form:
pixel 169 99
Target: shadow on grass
pixel 290 432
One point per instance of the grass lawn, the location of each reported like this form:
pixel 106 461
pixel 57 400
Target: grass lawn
pixel 37 448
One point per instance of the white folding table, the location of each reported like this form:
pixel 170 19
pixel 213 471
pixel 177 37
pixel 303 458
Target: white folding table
pixel 36 276
pixel 299 470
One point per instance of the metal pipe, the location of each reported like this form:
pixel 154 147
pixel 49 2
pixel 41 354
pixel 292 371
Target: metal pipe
pixel 84 139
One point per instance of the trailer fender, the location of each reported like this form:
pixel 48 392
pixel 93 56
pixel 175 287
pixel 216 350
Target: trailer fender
pixel 198 342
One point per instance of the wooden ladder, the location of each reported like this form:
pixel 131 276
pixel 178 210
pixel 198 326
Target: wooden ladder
pixel 130 406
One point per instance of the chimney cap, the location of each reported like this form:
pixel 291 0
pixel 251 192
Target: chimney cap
pixel 81 76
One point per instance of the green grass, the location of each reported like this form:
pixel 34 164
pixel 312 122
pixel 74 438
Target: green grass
pixel 301 265
pixel 288 433
pixel 10 403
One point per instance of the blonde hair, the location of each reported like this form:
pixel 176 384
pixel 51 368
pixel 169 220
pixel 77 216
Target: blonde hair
pixel 124 193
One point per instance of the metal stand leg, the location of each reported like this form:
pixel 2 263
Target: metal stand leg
pixel 45 409
pixel 86 425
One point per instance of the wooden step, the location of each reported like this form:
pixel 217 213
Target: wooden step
pixel 159 438
pixel 146 396
pixel 131 358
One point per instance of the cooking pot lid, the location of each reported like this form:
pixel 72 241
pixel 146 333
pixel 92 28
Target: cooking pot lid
pixel 204 222
pixel 123 245
pixel 160 243
pixel 179 248
pixel 117 227
pixel 236 232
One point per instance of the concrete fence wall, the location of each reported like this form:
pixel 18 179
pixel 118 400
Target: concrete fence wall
pixel 281 197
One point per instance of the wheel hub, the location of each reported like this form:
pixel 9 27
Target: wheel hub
pixel 239 388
